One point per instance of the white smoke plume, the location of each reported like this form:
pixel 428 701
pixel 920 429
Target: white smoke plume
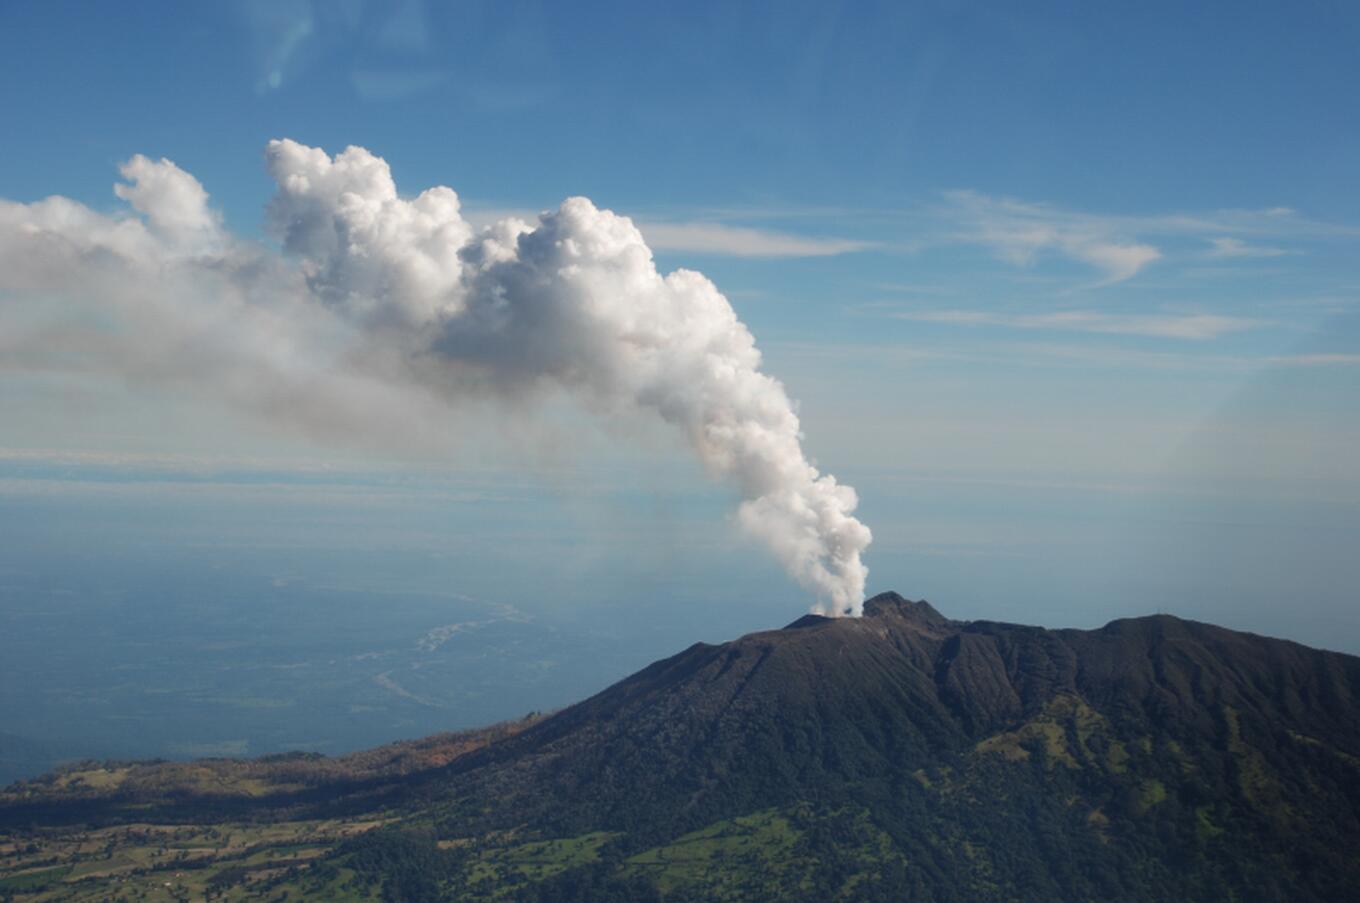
pixel 383 306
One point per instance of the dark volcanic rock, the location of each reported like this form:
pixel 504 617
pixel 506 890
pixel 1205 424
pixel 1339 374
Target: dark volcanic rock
pixel 835 698
pixel 1183 739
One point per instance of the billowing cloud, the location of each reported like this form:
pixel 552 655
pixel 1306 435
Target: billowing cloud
pixel 362 247
pixel 385 311
pixel 173 202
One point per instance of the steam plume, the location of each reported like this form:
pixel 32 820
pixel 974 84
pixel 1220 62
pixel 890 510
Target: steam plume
pixel 385 306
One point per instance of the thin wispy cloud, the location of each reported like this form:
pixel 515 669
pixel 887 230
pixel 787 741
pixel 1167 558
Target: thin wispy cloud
pixel 1117 247
pixel 1020 233
pixel 1317 360
pixel 1167 326
pixel 1273 223
pixel 908 288
pixel 384 85
pixel 933 222
pixel 743 241
pixel 1228 247
pixel 279 32
pixel 1028 354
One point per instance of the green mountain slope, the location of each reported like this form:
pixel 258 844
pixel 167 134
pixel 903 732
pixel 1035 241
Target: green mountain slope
pixel 897 756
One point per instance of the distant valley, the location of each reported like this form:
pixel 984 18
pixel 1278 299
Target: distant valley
pixel 191 667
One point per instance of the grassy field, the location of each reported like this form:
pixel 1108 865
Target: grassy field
pixel 712 856
pixel 763 854
pixel 162 862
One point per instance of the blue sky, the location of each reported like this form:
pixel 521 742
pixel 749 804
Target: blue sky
pixel 1069 294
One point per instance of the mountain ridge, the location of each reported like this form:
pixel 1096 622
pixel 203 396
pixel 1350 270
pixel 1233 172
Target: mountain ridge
pixel 1147 758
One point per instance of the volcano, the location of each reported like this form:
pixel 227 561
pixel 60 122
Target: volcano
pixel 901 755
